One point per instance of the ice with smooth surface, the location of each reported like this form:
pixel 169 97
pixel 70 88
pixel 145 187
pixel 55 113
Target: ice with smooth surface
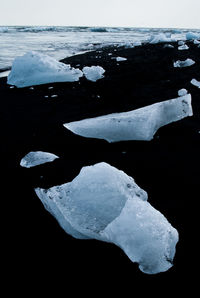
pixel 93 73
pixel 182 92
pixel 35 69
pixel 185 63
pixel 183 47
pixel 195 83
pixel 140 124
pixel 119 59
pixel 104 203
pixel 35 158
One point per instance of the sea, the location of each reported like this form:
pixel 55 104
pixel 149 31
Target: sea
pixel 61 42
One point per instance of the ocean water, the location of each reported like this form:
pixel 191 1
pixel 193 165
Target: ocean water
pixel 61 42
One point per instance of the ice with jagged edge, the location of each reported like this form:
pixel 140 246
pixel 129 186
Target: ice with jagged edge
pixel 185 63
pixel 183 47
pixel 139 124
pixel 35 158
pixel 104 203
pixel 192 35
pixel 182 92
pixel 195 83
pixel 35 69
pixel 93 73
pixel 161 37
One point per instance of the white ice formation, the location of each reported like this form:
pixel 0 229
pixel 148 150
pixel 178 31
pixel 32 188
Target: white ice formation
pixel 195 83
pixel 93 73
pixel 104 203
pixel 192 35
pixel 140 124
pixel 196 41
pixel 35 69
pixel 161 37
pixel 119 59
pixel 182 92
pixel 35 158
pixel 183 47
pixel 185 63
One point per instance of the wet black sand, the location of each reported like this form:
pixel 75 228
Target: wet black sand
pixel 167 168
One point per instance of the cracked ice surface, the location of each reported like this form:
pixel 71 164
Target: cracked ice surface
pixel 106 204
pixel 140 124
pixel 35 158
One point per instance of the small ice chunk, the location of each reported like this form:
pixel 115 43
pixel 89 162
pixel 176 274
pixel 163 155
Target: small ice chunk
pixel 119 59
pixel 35 69
pixel 183 47
pixel 196 41
pixel 140 124
pixel 104 203
pixel 46 96
pixel 181 42
pixel 51 87
pixel 11 87
pixel 93 73
pixel 31 88
pixel 185 63
pixel 35 158
pixel 195 83
pixel 169 46
pixel 192 35
pixel 182 92
pixel 109 54
pixel 54 95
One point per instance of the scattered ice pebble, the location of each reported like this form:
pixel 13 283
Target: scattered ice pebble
pixel 186 63
pixel 192 35
pixel 51 87
pixel 46 96
pixel 11 87
pixel 195 83
pixel 109 54
pixel 31 88
pixel 181 42
pixel 35 158
pixel 182 92
pixel 54 95
pixel 119 59
pixel 106 204
pixel 169 46
pixel 140 124
pixel 35 69
pixel 93 73
pixel 196 41
pixel 183 47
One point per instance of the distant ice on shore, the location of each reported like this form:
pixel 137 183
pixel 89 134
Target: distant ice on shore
pixel 35 69
pixel 140 124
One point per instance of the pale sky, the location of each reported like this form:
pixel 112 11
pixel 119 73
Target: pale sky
pixel 125 13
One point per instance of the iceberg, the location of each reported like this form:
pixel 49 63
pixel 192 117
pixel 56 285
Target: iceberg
pixel 192 35
pixel 140 124
pixel 161 37
pixel 93 73
pixel 35 158
pixel 35 69
pixel 104 203
pixel 195 83
pixel 185 63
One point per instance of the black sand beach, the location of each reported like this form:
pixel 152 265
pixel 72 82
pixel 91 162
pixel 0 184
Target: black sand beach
pixel 166 167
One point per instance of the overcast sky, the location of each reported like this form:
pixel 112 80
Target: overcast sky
pixel 131 13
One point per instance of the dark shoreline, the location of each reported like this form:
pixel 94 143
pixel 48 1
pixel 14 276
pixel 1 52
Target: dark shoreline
pixel 167 167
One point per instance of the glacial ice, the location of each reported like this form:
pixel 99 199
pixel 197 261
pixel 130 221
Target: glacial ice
pixel 195 83
pixel 93 73
pixel 35 69
pixel 182 92
pixel 183 47
pixel 161 37
pixel 35 158
pixel 104 203
pixel 185 63
pixel 192 35
pixel 140 124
